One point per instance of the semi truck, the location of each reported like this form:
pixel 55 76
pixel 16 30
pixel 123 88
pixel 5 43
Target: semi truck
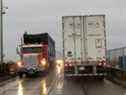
pixel 84 46
pixel 37 54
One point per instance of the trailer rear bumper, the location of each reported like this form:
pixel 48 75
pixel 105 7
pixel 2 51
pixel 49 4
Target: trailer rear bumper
pixel 86 75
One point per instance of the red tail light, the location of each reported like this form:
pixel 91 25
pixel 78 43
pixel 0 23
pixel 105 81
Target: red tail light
pixel 70 64
pixel 66 65
pixel 102 63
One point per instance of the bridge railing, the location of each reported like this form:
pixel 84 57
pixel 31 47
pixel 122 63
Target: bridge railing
pixel 117 73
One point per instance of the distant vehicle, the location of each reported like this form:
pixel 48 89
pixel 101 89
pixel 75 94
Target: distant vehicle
pixel 84 45
pixel 37 54
pixel 10 68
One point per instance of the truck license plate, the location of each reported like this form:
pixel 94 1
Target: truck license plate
pixel 81 68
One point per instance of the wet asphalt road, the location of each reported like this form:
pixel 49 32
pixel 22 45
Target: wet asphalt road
pixel 56 84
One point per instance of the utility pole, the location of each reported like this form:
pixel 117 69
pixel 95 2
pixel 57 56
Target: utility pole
pixel 1 32
pixel 2 12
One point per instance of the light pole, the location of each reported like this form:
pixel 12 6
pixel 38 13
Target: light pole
pixel 1 31
pixel 2 12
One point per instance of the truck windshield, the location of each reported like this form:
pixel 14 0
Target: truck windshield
pixel 31 49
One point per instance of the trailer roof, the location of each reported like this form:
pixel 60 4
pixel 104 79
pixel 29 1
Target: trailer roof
pixel 83 15
pixel 43 36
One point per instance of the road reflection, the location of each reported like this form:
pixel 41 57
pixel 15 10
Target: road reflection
pixel 59 70
pixel 60 85
pixel 20 88
pixel 43 87
pixel 38 86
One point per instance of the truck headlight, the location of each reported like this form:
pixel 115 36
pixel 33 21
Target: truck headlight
pixel 43 61
pixel 19 64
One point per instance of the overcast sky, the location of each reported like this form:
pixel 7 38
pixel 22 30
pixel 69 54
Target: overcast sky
pixel 38 16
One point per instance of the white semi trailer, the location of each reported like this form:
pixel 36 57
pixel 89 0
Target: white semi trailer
pixel 84 45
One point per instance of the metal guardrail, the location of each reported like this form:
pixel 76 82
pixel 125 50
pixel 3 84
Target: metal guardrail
pixel 117 73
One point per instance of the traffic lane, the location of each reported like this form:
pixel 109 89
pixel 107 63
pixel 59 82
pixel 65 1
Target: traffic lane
pixel 57 86
pixel 91 86
pixel 105 87
pixel 73 87
pixel 84 86
pixel 62 86
pixel 30 86
pixel 65 86
pixel 22 87
pixel 27 86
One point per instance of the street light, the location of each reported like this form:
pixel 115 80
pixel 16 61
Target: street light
pixel 1 33
pixel 2 12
